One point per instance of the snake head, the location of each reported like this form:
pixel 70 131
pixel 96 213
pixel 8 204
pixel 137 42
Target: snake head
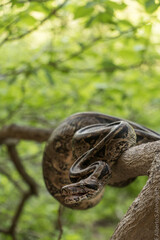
pixel 85 189
pixel 77 192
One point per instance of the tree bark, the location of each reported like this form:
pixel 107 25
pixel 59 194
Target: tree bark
pixel 24 132
pixel 134 162
pixel 142 221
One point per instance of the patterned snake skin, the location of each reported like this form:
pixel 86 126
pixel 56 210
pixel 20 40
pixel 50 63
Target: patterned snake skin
pixel 79 155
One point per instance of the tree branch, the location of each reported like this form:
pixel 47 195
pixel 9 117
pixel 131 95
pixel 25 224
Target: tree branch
pixel 25 196
pixel 52 13
pixel 20 168
pixel 23 132
pixel 134 162
pixel 16 184
pixel 59 221
pixel 142 220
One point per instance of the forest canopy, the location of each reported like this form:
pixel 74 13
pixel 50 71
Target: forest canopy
pixel 62 57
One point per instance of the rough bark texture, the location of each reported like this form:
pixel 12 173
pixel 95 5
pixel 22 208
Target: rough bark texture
pixel 142 220
pixel 134 162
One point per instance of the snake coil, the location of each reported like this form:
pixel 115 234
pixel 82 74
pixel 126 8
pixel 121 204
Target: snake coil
pixel 80 153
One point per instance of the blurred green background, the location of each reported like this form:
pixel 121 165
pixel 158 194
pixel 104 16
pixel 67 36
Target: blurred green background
pixel 62 57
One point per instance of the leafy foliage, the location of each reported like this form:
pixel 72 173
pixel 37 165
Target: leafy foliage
pixel 58 58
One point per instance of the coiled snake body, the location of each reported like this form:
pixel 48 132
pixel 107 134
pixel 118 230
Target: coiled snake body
pixel 81 151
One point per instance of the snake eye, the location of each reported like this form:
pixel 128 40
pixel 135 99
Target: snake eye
pixel 92 186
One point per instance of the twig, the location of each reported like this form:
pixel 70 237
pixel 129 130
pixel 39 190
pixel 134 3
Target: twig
pixel 12 229
pixel 20 70
pixel 91 43
pixel 20 168
pixel 59 222
pixel 75 54
pixel 18 212
pixel 5 173
pixel 12 112
pixel 100 70
pixel 53 12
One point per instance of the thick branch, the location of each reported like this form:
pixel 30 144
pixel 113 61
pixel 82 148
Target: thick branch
pixel 142 220
pixel 23 132
pixel 134 162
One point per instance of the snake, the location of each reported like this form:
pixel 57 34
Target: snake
pixel 81 151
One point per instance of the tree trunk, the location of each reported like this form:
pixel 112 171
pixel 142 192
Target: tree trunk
pixel 142 221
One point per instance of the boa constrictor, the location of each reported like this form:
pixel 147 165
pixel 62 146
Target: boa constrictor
pixel 81 151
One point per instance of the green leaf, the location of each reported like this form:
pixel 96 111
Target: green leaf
pixel 151 6
pixel 118 6
pixel 83 11
pixel 39 8
pixel 49 77
pixel 124 25
pixel 91 4
pixel 18 4
pixel 104 17
pixel 109 65
pixel 90 21
pixel 29 20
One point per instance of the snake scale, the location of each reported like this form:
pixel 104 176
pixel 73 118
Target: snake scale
pixel 80 152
